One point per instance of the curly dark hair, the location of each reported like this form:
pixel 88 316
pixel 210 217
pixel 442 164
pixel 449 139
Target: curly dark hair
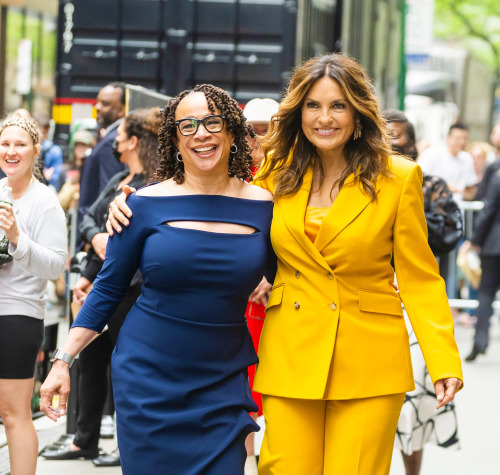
pixel 239 164
pixel 367 157
pixel 145 124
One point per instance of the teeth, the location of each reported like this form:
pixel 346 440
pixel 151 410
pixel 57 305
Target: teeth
pixel 12 161
pixel 325 131
pixel 204 149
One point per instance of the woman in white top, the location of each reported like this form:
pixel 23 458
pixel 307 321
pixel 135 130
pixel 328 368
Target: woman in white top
pixel 36 229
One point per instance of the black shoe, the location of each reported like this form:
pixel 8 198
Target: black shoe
pixel 108 460
pixel 65 453
pixel 474 353
pixel 63 441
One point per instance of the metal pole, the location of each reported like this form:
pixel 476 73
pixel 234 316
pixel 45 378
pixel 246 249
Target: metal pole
pixel 3 55
pixel 402 59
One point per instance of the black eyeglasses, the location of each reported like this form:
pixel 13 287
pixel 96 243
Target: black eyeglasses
pixel 213 123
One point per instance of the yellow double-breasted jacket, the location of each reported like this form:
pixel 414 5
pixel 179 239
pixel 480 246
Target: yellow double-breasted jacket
pixel 334 327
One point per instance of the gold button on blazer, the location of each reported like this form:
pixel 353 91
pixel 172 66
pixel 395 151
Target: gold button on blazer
pixel 347 338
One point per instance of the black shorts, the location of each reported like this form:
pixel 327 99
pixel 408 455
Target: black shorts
pixel 20 339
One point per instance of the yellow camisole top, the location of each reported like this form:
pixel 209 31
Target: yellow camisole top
pixel 314 218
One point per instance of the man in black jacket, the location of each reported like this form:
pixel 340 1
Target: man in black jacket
pixel 101 165
pixel 487 239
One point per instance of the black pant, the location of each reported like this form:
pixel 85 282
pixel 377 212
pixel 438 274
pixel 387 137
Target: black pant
pixel 92 390
pixel 490 284
pixel 93 378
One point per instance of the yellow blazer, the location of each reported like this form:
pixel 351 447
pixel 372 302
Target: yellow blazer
pixel 334 327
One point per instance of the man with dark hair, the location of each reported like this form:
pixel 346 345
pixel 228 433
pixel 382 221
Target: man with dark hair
pixel 101 165
pixel 452 163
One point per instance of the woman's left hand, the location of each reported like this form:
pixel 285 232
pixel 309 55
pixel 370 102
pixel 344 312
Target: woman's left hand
pixel 261 293
pixel 8 223
pixel 446 389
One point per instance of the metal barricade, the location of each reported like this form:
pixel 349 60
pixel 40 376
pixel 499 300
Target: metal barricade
pixel 469 209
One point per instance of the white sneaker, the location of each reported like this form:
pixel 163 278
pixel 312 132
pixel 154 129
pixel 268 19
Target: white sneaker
pixel 108 427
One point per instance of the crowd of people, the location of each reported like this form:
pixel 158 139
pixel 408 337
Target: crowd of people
pixel 303 222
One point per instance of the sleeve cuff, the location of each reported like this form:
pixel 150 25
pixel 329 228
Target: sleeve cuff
pixel 19 251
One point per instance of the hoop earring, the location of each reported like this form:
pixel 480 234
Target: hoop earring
pixel 357 129
pixel 235 148
pixel 178 157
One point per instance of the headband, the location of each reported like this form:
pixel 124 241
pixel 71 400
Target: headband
pixel 13 120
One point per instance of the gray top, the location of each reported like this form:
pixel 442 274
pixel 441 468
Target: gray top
pixel 40 255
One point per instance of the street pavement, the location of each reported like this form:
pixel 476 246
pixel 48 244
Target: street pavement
pixel 478 411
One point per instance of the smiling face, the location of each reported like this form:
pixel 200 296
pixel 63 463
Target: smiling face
pixel 203 151
pixel 17 153
pixel 457 140
pixel 327 117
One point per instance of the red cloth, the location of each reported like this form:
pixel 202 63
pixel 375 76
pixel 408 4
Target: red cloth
pixel 255 318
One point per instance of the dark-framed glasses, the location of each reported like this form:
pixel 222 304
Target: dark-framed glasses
pixel 212 123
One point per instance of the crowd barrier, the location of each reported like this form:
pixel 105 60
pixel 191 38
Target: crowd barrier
pixel 469 209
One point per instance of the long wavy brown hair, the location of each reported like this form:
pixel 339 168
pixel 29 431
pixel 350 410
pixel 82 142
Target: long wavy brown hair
pixel 289 153
pixel 145 124
pixel 239 164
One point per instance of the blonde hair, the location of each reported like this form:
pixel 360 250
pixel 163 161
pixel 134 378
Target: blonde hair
pixel 288 151
pixel 28 124
pixel 483 146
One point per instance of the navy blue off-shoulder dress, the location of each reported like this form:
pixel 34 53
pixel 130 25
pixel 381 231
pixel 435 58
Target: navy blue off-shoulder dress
pixel 179 368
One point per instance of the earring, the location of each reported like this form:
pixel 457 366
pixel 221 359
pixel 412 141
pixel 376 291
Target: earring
pixel 357 129
pixel 178 157
pixel 235 148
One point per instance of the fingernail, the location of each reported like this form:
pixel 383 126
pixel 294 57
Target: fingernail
pixel 439 397
pixel 119 229
pixel 126 223
pixel 129 215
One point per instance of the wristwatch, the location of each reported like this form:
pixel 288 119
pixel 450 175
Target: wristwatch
pixel 60 355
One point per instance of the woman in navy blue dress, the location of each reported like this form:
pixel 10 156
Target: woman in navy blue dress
pixel 200 236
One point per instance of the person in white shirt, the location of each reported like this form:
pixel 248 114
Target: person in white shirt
pixel 34 224
pixel 452 163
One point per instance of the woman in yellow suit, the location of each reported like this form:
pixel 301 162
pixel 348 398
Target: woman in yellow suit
pixel 334 352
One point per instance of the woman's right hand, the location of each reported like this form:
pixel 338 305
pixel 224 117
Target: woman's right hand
pixel 119 211
pixel 56 384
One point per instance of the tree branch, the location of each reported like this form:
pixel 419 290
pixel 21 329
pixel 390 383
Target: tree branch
pixel 476 33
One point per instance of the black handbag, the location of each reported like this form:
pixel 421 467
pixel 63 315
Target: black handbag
pixel 444 219
pixel 4 251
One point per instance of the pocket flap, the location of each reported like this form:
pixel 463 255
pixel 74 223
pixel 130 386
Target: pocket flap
pixel 378 302
pixel 276 296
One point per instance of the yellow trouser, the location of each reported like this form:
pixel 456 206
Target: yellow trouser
pixel 336 437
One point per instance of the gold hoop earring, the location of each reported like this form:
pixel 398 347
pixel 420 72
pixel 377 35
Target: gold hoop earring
pixel 357 129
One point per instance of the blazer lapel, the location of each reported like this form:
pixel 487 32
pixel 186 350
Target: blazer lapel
pixel 350 202
pixel 293 210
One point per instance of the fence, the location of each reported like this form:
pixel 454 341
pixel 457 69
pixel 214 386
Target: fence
pixel 469 208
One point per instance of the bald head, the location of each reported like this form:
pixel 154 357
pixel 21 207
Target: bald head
pixel 110 105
